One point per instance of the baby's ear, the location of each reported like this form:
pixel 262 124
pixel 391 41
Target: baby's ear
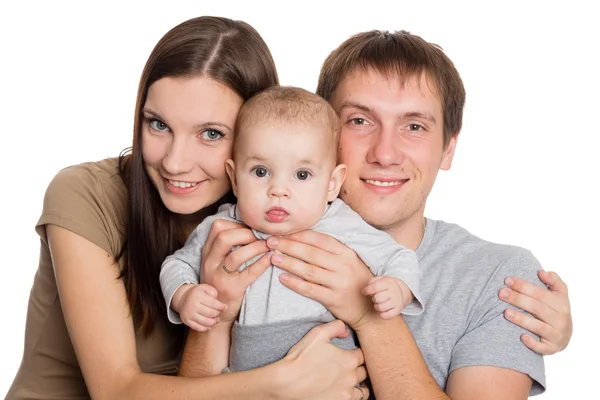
pixel 335 183
pixel 230 168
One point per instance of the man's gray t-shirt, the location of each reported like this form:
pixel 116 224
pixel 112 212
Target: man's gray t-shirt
pixel 463 324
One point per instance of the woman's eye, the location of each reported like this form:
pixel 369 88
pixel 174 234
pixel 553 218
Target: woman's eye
pixel 212 134
pixel 158 125
pixel 302 175
pixel 261 172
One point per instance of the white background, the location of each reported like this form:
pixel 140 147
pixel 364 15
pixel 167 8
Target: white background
pixel 525 171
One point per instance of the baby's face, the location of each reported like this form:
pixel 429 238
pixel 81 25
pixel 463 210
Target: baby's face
pixel 284 175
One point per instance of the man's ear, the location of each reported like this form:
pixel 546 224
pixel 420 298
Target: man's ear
pixel 448 154
pixel 230 168
pixel 335 183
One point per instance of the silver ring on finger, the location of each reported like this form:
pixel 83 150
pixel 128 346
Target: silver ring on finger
pixel 225 268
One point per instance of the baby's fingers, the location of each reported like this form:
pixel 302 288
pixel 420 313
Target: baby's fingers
pixel 375 285
pixel 199 322
pixel 381 297
pixel 213 303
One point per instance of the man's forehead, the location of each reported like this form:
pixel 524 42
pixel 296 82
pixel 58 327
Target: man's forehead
pixel 370 90
pixel 394 79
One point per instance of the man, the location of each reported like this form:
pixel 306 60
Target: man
pixel 400 100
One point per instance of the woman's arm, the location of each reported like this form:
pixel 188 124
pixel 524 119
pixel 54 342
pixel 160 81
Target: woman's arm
pixel 551 308
pixel 313 369
pixel 98 318
pixel 207 353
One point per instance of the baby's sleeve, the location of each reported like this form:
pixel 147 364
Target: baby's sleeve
pixel 183 267
pixel 378 250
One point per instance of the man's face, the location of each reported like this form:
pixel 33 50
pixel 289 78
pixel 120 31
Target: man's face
pixel 392 144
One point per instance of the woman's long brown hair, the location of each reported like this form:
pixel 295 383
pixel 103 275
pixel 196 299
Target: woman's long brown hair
pixel 232 53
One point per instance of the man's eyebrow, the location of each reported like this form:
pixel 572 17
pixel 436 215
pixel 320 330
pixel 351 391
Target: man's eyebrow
pixel 350 104
pixel 421 115
pixel 197 127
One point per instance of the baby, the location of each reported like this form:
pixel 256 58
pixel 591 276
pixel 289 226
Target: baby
pixel 286 178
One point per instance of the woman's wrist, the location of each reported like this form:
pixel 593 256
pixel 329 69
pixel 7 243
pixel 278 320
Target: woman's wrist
pixel 281 376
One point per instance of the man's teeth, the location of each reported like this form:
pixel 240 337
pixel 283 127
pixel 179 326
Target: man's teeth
pixel 380 183
pixel 182 184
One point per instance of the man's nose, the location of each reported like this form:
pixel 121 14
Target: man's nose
pixel 386 148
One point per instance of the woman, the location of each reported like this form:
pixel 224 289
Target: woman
pixel 95 325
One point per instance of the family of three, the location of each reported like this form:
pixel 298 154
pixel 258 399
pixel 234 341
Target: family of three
pixel 286 229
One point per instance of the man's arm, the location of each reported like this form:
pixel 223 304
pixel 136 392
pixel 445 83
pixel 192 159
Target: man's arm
pixel 397 369
pixel 331 275
pixel 480 382
pixel 395 365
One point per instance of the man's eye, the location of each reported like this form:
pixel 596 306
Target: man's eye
pixel 303 175
pixel 261 172
pixel 415 127
pixel 358 121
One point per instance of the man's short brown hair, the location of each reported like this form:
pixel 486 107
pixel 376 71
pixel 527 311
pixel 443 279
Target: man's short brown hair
pixel 403 55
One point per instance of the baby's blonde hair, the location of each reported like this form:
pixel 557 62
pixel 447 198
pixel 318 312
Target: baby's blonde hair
pixel 289 104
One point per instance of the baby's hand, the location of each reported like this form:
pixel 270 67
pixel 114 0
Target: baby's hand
pixel 390 295
pixel 198 306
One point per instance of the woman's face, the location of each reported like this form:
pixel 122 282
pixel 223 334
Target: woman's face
pixel 187 134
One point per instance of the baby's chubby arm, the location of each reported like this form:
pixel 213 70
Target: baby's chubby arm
pixel 182 268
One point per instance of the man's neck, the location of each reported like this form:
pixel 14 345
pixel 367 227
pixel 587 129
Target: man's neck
pixel 409 232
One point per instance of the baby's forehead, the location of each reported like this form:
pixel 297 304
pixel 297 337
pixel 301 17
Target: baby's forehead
pixel 315 132
pixel 291 143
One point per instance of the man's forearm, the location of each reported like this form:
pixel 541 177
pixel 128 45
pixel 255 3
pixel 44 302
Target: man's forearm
pixel 394 363
pixel 206 353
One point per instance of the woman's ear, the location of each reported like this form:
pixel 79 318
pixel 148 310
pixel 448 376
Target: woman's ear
pixel 335 183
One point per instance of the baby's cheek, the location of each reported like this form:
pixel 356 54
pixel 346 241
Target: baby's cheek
pixel 310 213
pixel 252 214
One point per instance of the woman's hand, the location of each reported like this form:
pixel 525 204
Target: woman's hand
pixel 317 369
pixel 550 306
pixel 220 265
pixel 331 273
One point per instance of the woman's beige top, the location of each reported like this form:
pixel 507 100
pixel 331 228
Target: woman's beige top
pixel 90 200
